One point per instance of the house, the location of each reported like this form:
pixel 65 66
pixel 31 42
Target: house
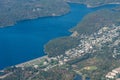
pixel 111 75
pixel 117 70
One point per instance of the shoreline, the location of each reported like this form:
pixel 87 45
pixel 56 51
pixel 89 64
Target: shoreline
pixel 35 18
pixel 82 54
pixel 57 15
pixel 31 61
pixel 46 56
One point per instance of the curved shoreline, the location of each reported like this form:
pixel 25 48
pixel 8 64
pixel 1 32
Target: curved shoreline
pixel 44 51
pixel 35 18
pixel 56 15
pixel 14 11
pixel 37 58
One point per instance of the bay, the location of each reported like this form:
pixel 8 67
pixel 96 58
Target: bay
pixel 25 40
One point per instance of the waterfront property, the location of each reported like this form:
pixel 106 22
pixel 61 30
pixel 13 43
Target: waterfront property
pixel 25 40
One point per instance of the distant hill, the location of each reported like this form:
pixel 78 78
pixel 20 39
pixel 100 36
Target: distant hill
pixel 95 3
pixel 96 20
pixel 12 11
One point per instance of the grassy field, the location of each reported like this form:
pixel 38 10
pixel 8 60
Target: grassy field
pixel 90 68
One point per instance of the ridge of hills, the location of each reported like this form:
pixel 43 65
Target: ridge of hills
pixel 13 11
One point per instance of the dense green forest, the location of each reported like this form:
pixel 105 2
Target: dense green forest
pixel 12 11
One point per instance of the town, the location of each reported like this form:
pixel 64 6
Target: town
pixel 88 44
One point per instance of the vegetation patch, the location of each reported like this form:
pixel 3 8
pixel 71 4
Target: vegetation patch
pixel 90 68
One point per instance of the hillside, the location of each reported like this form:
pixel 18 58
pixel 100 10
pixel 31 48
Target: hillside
pixel 90 24
pixel 94 51
pixel 95 3
pixel 12 11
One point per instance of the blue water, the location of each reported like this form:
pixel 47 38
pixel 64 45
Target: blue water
pixel 25 40
pixel 78 77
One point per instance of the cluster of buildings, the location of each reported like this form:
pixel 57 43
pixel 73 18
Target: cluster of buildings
pixel 88 44
pixel 113 74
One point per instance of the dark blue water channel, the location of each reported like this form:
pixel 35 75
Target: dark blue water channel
pixel 25 40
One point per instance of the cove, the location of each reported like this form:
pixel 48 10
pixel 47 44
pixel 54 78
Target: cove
pixel 25 40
